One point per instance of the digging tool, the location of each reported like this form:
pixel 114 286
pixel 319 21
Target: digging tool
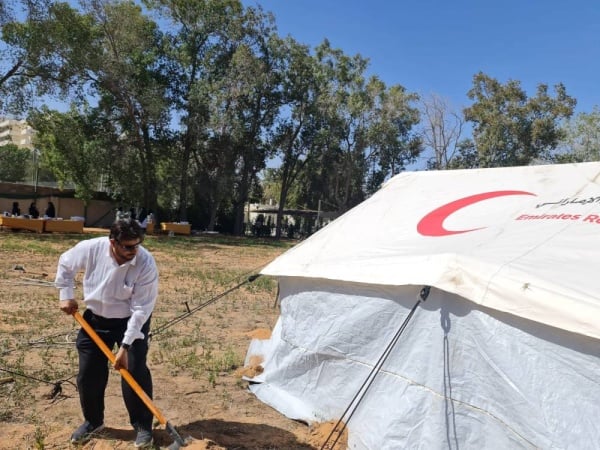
pixel 178 440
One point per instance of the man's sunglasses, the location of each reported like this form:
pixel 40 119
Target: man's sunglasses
pixel 129 248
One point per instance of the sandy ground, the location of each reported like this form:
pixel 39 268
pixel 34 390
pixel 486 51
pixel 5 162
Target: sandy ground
pixel 197 363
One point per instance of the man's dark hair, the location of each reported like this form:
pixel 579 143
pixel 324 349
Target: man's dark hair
pixel 126 230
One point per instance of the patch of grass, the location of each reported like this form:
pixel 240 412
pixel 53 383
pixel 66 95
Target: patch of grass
pixel 43 244
pixel 262 284
pixel 207 346
pixel 39 438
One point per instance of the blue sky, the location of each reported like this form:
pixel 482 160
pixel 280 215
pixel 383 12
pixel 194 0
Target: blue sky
pixel 436 46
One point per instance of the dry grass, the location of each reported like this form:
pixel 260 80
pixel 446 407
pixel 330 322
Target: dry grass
pixel 195 362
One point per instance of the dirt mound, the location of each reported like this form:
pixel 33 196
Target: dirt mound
pixel 260 333
pixel 323 435
pixel 253 368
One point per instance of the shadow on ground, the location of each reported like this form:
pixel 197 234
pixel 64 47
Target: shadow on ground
pixel 231 435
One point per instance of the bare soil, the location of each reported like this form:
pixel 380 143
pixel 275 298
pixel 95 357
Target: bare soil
pixel 197 361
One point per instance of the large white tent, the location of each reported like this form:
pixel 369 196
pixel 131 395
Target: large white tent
pixel 503 353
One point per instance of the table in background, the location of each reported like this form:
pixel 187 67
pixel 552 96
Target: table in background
pixel 150 228
pixel 19 223
pixel 64 226
pixel 177 228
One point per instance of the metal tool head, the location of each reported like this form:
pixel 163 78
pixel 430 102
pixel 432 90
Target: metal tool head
pixel 176 445
pixel 178 441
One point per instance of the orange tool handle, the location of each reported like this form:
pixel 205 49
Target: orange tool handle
pixel 124 372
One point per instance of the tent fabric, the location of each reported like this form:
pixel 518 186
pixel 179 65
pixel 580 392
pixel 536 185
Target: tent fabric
pixel 460 377
pixel 505 352
pixel 529 254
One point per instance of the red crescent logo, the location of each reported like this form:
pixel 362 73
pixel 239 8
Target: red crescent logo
pixel 433 223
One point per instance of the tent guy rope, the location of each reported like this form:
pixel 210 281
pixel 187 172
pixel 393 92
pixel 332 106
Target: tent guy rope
pixel 191 311
pixel 360 394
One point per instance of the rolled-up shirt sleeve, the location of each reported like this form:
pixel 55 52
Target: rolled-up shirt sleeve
pixel 143 299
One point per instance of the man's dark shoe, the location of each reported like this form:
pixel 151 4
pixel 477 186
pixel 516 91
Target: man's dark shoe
pixel 143 439
pixel 85 432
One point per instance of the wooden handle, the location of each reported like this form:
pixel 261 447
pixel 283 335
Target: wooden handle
pixel 124 372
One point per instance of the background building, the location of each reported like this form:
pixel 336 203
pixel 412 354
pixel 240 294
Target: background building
pixel 16 132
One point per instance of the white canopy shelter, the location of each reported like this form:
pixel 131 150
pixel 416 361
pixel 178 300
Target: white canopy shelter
pixel 503 353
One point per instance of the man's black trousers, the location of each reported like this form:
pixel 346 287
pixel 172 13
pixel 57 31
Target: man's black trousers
pixel 93 371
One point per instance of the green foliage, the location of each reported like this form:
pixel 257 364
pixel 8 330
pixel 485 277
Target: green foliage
pixel 43 54
pixel 511 129
pixel 70 148
pixel 39 437
pixel 220 82
pixel 13 163
pixel 466 156
pixel 582 139
pixel 364 131
pixel 191 98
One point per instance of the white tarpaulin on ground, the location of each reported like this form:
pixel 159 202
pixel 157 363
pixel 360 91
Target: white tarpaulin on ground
pixel 505 351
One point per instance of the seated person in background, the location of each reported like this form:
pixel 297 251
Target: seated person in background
pixel 148 221
pixel 33 211
pixel 50 211
pixel 143 218
pixel 16 211
pixel 120 213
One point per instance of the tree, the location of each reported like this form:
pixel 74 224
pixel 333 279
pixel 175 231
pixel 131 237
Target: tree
pixel 222 68
pixel 582 139
pixel 42 54
pixel 71 147
pixel 13 163
pixel 295 135
pixel 199 45
pixel 109 54
pixel 442 131
pixel 367 128
pixel 123 68
pixel 391 141
pixel 511 129
pixel 244 103
pixel 466 156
